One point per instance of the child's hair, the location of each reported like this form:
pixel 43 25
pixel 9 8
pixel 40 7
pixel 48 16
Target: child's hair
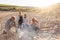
pixel 34 19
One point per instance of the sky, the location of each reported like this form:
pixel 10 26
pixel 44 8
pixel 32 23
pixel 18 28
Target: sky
pixel 33 3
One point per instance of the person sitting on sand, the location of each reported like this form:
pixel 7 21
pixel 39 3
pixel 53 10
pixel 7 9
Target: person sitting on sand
pixel 34 24
pixel 10 23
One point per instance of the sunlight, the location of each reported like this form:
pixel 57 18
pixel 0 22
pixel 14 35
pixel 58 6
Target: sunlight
pixel 44 3
pixel 31 3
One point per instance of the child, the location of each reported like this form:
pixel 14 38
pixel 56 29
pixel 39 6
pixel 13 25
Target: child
pixel 34 24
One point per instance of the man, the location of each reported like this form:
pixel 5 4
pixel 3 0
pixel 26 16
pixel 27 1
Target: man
pixel 10 23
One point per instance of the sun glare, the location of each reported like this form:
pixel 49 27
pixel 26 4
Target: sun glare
pixel 45 3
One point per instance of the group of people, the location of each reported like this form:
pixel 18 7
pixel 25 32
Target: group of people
pixel 23 20
pixel 23 25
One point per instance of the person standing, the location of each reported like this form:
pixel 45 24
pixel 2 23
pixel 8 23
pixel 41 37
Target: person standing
pixel 25 24
pixel 25 20
pixel 20 21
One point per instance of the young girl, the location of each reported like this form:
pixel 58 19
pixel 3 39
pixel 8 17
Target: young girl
pixel 34 24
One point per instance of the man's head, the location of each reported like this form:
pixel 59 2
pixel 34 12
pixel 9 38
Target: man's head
pixel 12 18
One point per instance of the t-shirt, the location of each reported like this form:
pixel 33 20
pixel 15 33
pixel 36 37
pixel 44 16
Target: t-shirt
pixel 20 21
pixel 25 20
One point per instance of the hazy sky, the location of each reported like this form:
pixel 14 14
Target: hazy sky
pixel 36 3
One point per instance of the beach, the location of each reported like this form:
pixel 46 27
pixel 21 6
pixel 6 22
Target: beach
pixel 48 23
